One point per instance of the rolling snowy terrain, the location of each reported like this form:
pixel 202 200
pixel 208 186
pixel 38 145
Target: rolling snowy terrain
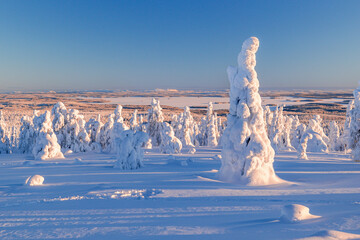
pixel 173 197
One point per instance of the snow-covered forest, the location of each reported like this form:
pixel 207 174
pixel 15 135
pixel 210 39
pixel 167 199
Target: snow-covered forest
pixel 64 130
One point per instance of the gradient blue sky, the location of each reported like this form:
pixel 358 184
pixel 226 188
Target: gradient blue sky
pixel 176 44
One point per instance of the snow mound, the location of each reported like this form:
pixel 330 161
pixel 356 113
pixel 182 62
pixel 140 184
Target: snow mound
pixel 35 180
pixel 295 213
pixel 332 235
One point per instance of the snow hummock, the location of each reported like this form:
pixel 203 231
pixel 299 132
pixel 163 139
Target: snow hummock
pixel 332 235
pixel 247 155
pixel 35 180
pixel 295 213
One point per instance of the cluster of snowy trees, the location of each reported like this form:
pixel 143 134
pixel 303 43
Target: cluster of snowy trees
pixel 287 133
pixel 62 131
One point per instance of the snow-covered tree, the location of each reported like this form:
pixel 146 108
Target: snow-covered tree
pixel 212 133
pixel 296 137
pixel 134 124
pixel 202 132
pixel 76 136
pixel 296 132
pixel 4 139
pixel 334 137
pixel 286 140
pixel 69 127
pixel 304 145
pixel 346 136
pixel 247 155
pixel 93 127
pixel 27 135
pixel 276 129
pixel 129 151
pixel 319 141
pixel 59 115
pixel 354 136
pixel 155 122
pixel 268 115
pixel 118 127
pixel 208 130
pixel 106 133
pixel 46 146
pixel 185 128
pixel 14 140
pixel 169 143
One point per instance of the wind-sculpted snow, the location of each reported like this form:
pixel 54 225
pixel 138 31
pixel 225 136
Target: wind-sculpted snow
pixel 247 155
pixel 295 213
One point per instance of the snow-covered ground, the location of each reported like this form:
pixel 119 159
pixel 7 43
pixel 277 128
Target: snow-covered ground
pixel 219 102
pixel 174 197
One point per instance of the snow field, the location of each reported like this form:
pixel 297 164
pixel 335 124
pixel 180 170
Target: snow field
pixel 168 200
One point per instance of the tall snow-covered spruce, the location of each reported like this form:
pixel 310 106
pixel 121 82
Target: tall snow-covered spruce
pixel 247 155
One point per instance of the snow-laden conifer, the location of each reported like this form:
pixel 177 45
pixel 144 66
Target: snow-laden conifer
pixel 319 141
pixel 106 134
pixel 134 124
pixel 93 128
pixel 169 143
pixel 4 139
pixel 334 137
pixel 155 122
pixel 118 127
pixel 46 145
pixel 129 152
pixel 247 155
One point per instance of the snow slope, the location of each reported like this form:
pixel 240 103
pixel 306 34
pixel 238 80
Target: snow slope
pixel 167 199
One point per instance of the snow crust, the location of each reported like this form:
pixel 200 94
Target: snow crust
pixel 247 155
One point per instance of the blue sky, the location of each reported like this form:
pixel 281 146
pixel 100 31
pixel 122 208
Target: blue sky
pixel 176 44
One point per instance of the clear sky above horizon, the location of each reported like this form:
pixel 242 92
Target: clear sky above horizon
pixel 187 44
